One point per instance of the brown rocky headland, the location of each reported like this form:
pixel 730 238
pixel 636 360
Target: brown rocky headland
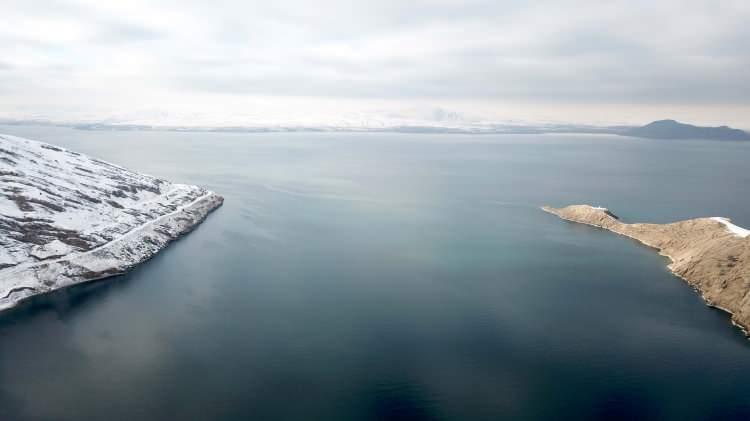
pixel 710 254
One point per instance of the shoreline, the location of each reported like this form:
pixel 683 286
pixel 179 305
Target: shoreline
pixel 67 218
pixel 72 270
pixel 744 328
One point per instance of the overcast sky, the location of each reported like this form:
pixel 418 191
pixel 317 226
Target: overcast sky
pixel 232 62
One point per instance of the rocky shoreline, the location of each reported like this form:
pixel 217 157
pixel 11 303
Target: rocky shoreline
pixel 67 219
pixel 710 254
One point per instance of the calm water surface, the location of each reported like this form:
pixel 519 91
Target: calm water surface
pixel 390 276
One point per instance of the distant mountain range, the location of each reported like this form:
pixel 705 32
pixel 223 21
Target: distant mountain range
pixel 662 129
pixel 670 129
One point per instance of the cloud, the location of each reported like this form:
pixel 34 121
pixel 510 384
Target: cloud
pixel 104 55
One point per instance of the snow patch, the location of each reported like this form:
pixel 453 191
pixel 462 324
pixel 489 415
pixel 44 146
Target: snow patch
pixel 55 248
pixel 734 229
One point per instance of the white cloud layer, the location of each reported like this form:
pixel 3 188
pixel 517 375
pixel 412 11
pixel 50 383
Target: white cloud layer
pixel 329 61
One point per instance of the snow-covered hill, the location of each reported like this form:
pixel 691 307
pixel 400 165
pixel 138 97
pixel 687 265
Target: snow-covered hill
pixel 66 218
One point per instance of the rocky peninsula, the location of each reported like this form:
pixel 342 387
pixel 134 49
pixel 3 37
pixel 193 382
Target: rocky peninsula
pixel 710 254
pixel 66 218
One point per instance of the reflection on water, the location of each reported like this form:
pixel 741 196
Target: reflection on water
pixel 384 276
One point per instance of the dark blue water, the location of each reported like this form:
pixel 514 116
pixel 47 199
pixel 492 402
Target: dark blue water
pixel 390 277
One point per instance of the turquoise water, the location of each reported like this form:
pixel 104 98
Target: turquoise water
pixel 392 276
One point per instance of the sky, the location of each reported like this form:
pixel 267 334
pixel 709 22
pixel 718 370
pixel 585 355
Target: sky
pixel 370 63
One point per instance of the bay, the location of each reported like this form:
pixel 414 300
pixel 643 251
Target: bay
pixel 393 276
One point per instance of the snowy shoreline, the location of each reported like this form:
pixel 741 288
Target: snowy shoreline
pixel 32 279
pixel 66 218
pixel 734 229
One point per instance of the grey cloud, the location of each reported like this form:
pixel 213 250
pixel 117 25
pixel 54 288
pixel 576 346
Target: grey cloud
pixel 568 52
pixel 595 73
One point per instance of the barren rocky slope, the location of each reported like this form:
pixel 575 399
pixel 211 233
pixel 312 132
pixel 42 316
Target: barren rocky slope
pixel 711 254
pixel 66 218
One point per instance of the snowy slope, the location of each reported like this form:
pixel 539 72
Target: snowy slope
pixel 66 218
pixel 734 229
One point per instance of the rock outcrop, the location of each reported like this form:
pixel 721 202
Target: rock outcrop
pixel 66 218
pixel 710 254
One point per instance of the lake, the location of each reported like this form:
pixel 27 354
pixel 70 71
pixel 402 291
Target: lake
pixel 379 276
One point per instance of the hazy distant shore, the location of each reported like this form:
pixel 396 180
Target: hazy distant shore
pixel 662 129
